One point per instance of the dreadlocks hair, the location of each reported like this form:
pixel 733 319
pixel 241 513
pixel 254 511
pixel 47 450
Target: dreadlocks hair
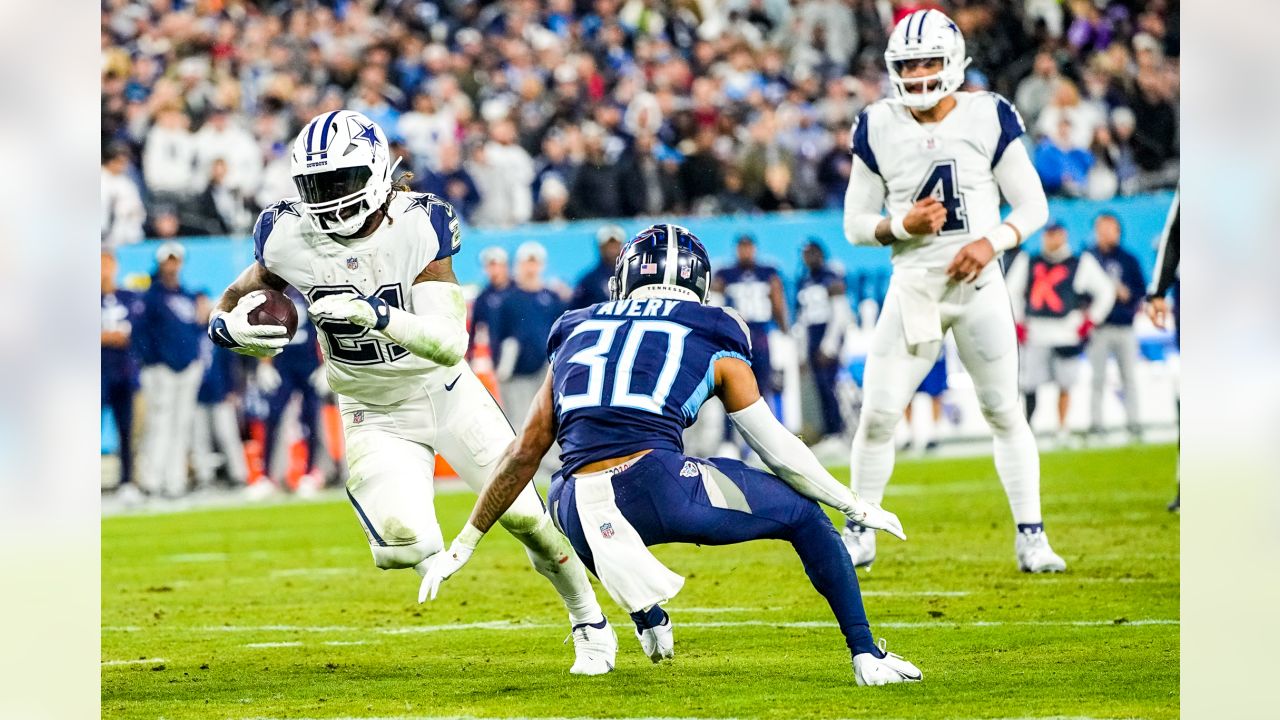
pixel 399 185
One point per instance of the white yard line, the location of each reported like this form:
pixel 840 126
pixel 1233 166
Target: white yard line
pixel 143 661
pixel 504 625
pixel 273 645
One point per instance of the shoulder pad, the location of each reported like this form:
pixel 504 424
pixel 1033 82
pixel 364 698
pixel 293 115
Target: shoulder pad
pixel 444 221
pixel 1011 126
pixel 267 222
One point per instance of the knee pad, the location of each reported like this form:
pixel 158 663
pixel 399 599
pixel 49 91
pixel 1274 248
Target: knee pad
pixel 405 556
pixel 877 425
pixel 1002 414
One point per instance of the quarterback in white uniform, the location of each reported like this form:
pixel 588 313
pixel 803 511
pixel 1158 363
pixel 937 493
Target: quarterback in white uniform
pixel 938 160
pixel 375 263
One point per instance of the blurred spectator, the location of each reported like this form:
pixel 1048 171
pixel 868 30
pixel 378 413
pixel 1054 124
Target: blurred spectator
pixel 593 286
pixel 1066 105
pixel 520 330
pixel 701 175
pixel 1156 124
pixel 169 159
pixel 1062 165
pixel 1121 151
pixel 1037 89
pixel 216 441
pixel 121 309
pixel 648 185
pixel 222 138
pixel 484 309
pixel 1058 298
pixel 168 338
pixel 1115 336
pixel 122 209
pixel 834 169
pixel 426 130
pixel 296 371
pixel 822 316
pixel 597 184
pixel 503 172
pixel 450 181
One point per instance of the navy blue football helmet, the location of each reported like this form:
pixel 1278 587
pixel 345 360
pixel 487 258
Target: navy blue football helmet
pixel 663 255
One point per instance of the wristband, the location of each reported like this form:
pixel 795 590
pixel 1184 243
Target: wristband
pixel 381 311
pixel 470 536
pixel 898 229
pixel 219 333
pixel 1004 237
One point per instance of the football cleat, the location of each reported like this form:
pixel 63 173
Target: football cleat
pixel 871 670
pixel 659 642
pixel 1035 555
pixel 861 544
pixel 595 646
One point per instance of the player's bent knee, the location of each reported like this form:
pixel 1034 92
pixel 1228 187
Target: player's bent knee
pixel 1003 416
pixel 879 424
pixel 405 556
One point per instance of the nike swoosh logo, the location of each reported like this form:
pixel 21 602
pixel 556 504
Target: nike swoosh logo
pixel 449 386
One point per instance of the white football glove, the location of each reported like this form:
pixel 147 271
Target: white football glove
pixel 347 307
pixel 233 331
pixel 268 377
pixel 443 565
pixel 871 515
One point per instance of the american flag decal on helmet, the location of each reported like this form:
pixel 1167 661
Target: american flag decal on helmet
pixel 648 268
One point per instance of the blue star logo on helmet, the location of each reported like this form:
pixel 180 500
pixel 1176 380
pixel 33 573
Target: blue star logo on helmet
pixel 369 134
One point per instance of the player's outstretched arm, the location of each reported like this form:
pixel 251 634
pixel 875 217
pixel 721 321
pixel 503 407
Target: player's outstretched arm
pixel 785 454
pixel 436 330
pixel 515 469
pixel 229 321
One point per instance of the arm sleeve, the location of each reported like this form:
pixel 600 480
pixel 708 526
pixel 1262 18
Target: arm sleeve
pixel 444 221
pixel 1021 186
pixel 1016 281
pixel 1092 279
pixel 1167 256
pixel 438 330
pixel 789 458
pixel 863 202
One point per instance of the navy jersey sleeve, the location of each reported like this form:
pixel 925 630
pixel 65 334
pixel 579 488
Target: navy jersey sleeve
pixel 861 143
pixel 261 231
pixel 444 221
pixel 560 330
pixel 1011 127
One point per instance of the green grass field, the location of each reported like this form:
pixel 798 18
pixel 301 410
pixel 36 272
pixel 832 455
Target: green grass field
pixel 278 612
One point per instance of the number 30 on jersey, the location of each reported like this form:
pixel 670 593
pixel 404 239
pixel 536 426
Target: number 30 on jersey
pixel 942 184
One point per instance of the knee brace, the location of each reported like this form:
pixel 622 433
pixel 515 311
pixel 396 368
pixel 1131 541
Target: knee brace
pixel 405 556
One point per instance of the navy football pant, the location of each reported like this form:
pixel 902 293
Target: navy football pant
pixel 666 506
pixel 293 380
pixel 118 395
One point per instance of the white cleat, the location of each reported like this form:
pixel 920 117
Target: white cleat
pixel 658 643
pixel 871 670
pixel 861 544
pixel 1035 555
pixel 595 646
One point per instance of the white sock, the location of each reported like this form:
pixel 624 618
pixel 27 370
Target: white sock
pixel 1018 464
pixel 553 557
pixel 871 457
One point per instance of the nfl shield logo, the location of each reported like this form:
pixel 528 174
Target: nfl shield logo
pixel 357 417
pixel 684 272
pixel 690 469
pixel 606 530
pixel 352 263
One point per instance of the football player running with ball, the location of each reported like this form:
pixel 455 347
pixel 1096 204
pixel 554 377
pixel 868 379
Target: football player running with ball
pixel 627 377
pixel 938 160
pixel 375 263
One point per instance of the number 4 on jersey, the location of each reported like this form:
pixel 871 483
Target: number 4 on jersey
pixel 942 185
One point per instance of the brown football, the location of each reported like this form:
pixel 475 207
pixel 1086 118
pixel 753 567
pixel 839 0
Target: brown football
pixel 277 310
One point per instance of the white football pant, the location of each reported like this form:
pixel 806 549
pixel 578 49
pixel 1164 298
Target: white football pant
pixel 391 453
pixel 170 405
pixel 981 322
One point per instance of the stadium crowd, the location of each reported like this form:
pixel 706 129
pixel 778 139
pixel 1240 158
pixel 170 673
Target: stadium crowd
pixel 520 111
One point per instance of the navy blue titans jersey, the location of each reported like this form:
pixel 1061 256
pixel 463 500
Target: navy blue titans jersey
pixel 630 375
pixel 748 290
pixel 813 302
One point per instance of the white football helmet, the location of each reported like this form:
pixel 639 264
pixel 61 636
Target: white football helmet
pixel 926 34
pixel 342 166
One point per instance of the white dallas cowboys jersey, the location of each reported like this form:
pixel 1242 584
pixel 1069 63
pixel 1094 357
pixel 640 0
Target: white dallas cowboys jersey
pixel 951 160
pixel 419 229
